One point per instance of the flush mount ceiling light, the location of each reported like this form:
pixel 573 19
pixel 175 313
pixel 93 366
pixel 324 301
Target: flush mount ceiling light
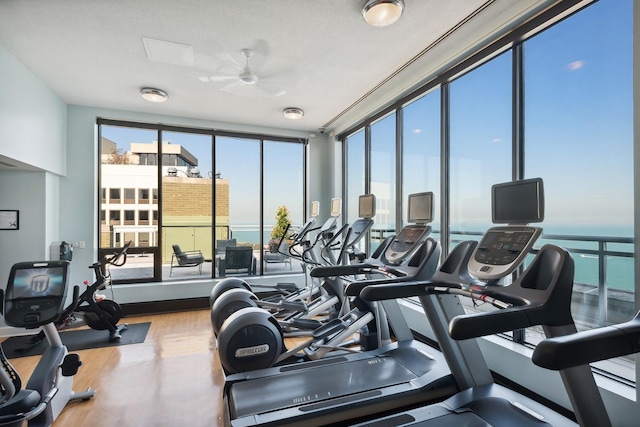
pixel 293 113
pixel 380 13
pixel 153 95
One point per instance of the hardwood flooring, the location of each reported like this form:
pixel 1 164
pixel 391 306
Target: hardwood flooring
pixel 172 379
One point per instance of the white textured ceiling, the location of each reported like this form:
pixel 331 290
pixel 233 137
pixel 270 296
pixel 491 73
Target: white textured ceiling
pixel 318 55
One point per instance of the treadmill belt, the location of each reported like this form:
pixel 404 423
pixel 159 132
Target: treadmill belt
pixel 436 416
pixel 488 411
pixel 304 387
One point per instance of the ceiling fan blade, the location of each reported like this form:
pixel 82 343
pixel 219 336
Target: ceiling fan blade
pixel 222 78
pixel 230 60
pixel 232 87
pixel 271 88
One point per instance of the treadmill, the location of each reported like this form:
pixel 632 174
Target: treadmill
pixel 348 386
pixel 589 346
pixel 541 295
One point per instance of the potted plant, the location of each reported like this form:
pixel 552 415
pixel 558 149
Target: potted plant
pixel 280 228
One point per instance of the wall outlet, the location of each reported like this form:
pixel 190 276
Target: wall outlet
pixel 81 244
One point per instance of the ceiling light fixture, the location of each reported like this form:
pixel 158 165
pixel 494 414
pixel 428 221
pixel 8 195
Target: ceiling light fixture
pixel 380 13
pixel 293 113
pixel 153 95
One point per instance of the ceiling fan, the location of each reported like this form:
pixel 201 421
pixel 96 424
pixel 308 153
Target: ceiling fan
pixel 243 81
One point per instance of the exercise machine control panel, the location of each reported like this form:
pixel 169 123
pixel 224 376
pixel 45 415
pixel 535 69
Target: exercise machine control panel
pixel 501 250
pixel 404 244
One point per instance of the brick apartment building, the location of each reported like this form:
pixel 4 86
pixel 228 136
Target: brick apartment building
pixel 129 205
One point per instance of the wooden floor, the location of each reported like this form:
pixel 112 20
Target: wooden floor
pixel 172 379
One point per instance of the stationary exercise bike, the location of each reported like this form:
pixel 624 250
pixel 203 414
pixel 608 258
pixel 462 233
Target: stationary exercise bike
pixel 35 297
pixel 97 311
pixel 93 309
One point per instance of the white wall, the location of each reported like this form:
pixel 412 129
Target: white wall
pixel 32 131
pixel 32 118
pixel 25 192
pixel 320 168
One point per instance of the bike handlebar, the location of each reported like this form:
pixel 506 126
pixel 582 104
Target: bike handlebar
pixel 122 253
pixel 117 259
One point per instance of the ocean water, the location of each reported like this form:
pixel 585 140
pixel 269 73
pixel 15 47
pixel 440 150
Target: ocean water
pixel 619 270
pixel 250 234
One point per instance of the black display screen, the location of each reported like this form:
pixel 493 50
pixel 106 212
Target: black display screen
pixel 518 202
pixel 37 282
pixel 420 208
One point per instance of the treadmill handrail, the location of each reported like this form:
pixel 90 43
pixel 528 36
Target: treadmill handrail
pixel 341 270
pixel 452 273
pixel 589 346
pixel 539 299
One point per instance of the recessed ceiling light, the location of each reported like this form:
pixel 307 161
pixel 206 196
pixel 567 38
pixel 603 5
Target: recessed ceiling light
pixel 293 113
pixel 380 13
pixel 153 95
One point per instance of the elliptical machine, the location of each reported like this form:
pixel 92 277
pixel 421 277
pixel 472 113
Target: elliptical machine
pixel 251 338
pixel 325 298
pixel 35 297
pixel 298 317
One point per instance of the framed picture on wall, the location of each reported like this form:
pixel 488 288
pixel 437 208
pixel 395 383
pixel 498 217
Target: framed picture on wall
pixel 9 220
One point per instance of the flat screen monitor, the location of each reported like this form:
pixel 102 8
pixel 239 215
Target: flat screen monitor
pixel 367 206
pixel 518 202
pixel 315 208
pixel 37 280
pixel 35 293
pixel 336 207
pixel 420 208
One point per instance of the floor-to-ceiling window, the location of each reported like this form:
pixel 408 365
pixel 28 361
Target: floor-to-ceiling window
pixel 175 204
pixel 128 202
pixel 480 144
pixel 579 138
pixel 383 174
pixel 354 170
pixel 238 162
pixel 421 152
pixel 355 180
pixel 283 190
pixel 187 198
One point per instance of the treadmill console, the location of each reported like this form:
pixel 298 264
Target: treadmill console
pixel 404 244
pixel 501 250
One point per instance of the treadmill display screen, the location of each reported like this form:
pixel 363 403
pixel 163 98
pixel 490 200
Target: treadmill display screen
pixel 517 202
pixel 420 208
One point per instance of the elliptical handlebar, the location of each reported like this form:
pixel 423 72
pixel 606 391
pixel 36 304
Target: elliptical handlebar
pixel 332 244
